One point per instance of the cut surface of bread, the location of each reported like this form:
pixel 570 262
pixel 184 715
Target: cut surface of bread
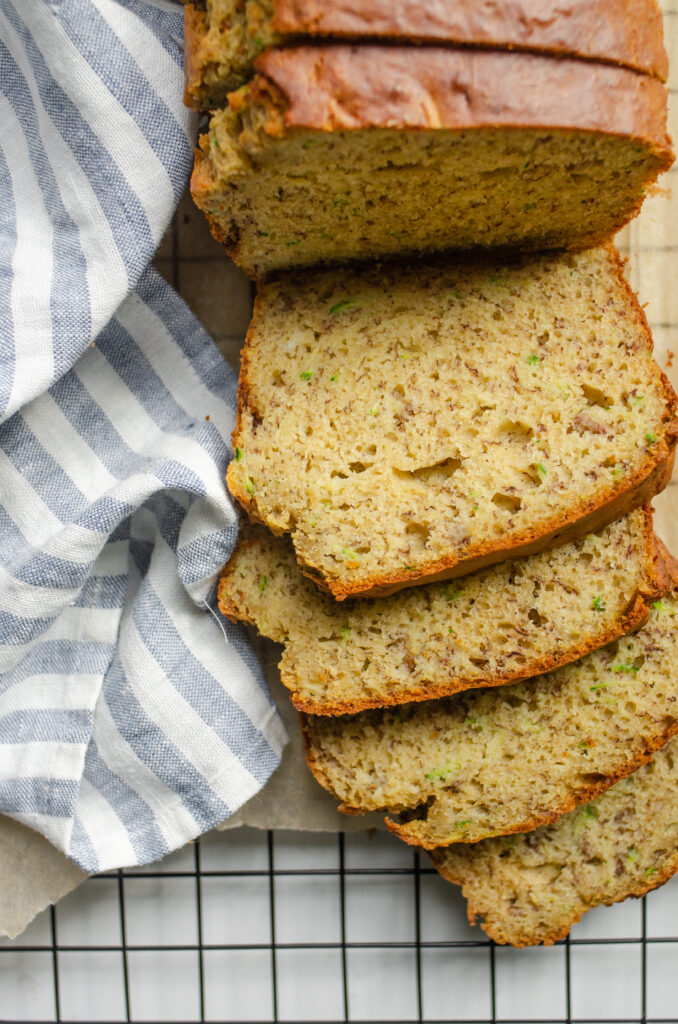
pixel 499 625
pixel 339 153
pixel 223 37
pixel 532 888
pixel 493 762
pixel 218 51
pixel 407 422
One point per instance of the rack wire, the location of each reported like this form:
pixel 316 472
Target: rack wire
pixel 269 927
pixel 276 965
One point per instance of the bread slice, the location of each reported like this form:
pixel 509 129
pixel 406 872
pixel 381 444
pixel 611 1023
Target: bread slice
pixel 499 625
pixel 337 153
pixel 223 37
pixel 493 762
pixel 426 420
pixel 532 888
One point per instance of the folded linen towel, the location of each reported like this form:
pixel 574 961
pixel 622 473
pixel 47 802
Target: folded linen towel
pixel 132 717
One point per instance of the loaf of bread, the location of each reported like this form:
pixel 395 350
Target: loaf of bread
pixel 493 762
pixel 223 37
pixel 499 625
pixel 532 888
pixel 425 420
pixel 355 152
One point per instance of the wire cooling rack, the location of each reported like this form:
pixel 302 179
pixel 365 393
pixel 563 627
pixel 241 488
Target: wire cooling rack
pixel 256 926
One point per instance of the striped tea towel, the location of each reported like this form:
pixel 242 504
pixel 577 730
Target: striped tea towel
pixel 132 718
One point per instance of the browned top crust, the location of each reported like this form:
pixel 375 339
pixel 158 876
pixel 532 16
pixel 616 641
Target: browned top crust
pixel 340 88
pixel 625 32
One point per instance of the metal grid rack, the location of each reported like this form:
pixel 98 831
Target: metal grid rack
pixel 334 928
pixel 268 927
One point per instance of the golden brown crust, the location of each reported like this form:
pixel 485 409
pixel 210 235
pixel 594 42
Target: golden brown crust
pixel 316 771
pixel 346 88
pixel 634 619
pixel 475 911
pixel 669 563
pixel 226 606
pixel 649 480
pixel 665 732
pixel 202 186
pixel 626 32
pixel 623 32
pixel 636 615
pixel 581 796
pixel 340 87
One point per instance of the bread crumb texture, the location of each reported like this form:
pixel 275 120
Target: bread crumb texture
pixel 222 39
pixel 531 888
pixel 400 422
pixel 498 625
pixel 493 762
pixel 339 153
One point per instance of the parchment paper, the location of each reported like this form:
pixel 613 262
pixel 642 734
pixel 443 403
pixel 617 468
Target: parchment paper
pixel 32 873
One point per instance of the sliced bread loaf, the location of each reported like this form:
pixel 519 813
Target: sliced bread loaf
pixel 499 625
pixel 532 888
pixel 417 421
pixel 498 761
pixel 223 37
pixel 336 153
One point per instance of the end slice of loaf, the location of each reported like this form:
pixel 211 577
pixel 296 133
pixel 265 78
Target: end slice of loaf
pixel 220 45
pixel 339 153
pixel 531 888
pixel 412 421
pixel 501 624
pixel 493 762
pixel 223 37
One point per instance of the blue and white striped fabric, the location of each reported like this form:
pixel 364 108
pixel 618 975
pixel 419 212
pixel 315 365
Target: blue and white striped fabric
pixel 132 717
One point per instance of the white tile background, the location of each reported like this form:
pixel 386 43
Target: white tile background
pixel 381 908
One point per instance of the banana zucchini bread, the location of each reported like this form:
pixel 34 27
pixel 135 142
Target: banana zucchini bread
pixel 501 624
pixel 426 420
pixel 223 37
pixel 338 153
pixel 532 888
pixel 493 762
